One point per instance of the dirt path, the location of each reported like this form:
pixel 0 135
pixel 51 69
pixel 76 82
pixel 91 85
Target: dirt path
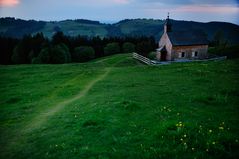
pixel 44 116
pixel 40 119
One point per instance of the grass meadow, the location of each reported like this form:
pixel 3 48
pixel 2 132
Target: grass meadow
pixel 116 107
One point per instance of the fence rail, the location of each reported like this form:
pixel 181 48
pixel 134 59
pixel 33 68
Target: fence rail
pixel 142 59
pixel 154 62
pixel 218 58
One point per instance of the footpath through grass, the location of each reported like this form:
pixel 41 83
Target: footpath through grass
pixel 118 108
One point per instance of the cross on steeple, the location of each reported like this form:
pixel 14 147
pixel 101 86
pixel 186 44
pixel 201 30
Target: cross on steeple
pixel 168 24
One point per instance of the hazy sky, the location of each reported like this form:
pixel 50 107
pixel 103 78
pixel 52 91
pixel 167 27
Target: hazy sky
pixel 115 10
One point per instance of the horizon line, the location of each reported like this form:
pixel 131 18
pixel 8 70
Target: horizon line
pixel 114 21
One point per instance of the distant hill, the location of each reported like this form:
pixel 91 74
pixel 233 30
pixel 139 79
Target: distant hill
pixel 12 27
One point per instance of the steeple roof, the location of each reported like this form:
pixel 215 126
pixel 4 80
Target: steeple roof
pixel 168 24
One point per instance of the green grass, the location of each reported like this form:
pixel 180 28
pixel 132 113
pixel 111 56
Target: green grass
pixel 116 107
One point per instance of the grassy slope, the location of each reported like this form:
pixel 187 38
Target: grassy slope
pixel 73 28
pixel 142 27
pixel 132 111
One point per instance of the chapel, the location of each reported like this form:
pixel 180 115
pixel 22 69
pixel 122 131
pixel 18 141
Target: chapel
pixel 181 44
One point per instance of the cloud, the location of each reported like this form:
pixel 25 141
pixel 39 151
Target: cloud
pixel 193 8
pixel 97 2
pixel 204 10
pixel 175 2
pixel 190 2
pixel 9 3
pixel 227 9
pixel 122 1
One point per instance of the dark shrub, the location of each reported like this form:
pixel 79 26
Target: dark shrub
pixel 36 60
pixel 152 55
pixel 112 48
pixel 229 51
pixel 83 54
pixel 44 56
pixel 58 55
pixel 128 47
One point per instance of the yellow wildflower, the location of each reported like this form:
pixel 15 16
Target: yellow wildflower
pixel 221 128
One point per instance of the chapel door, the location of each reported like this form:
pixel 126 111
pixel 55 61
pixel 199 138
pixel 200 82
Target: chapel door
pixel 163 55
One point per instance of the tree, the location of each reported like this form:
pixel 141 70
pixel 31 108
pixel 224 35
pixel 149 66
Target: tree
pixel 16 56
pixel 37 43
pixel 112 48
pixel 98 46
pixel 59 38
pixel 128 47
pixel 218 38
pixel 7 46
pixel 21 51
pixel 144 47
pixel 59 54
pixel 44 56
pixel 19 55
pixel 67 52
pixel 56 54
pixel 83 54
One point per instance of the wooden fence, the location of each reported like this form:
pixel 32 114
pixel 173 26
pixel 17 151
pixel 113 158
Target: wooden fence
pixel 142 58
pixel 153 62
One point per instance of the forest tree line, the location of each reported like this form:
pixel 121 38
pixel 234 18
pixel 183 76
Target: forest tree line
pixel 37 49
